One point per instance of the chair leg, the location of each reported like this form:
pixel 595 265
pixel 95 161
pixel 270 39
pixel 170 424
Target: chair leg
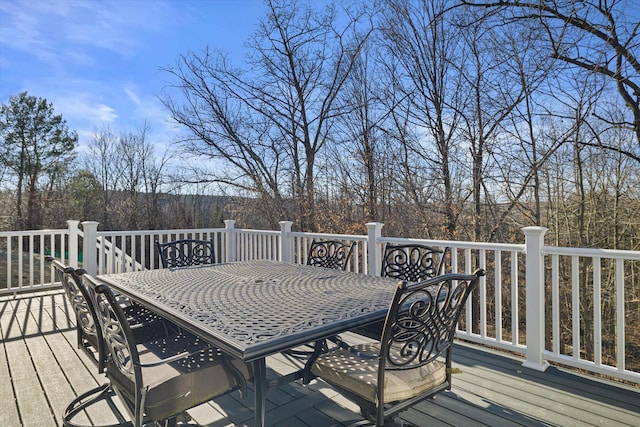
pixel 171 422
pixel 78 335
pixel 395 422
pixel 240 379
pixel 79 404
pixel 184 417
pixel 369 419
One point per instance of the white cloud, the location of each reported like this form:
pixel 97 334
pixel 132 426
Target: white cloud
pixel 133 96
pixel 57 32
pixel 82 107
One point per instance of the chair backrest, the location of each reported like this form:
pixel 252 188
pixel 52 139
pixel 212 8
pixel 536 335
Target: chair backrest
pixel 186 253
pixel 80 300
pixel 114 326
pixel 421 322
pixel 412 262
pixel 123 363
pixel 330 254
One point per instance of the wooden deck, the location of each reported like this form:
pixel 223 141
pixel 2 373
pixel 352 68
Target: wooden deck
pixel 41 371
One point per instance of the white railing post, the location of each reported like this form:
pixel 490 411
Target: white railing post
pixel 230 240
pixel 374 256
pixel 89 247
pixel 286 242
pixel 74 232
pixel 534 276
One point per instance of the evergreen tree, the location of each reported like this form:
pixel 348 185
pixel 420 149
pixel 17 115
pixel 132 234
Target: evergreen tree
pixel 36 145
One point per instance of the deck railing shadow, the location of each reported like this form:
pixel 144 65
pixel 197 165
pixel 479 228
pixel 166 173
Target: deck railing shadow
pixel 454 401
pixel 19 316
pixel 556 380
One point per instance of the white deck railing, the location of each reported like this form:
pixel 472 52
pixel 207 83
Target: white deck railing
pixel 517 307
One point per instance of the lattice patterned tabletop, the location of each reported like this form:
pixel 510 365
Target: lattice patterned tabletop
pixel 256 308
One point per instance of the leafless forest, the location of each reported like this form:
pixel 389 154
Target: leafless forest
pixel 444 119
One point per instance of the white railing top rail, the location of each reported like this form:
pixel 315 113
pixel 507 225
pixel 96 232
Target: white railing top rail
pixel 22 233
pixel 355 237
pixel 171 231
pixel 456 244
pixel 592 252
pixel 251 231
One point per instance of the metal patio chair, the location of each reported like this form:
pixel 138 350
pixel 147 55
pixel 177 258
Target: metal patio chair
pixel 330 254
pixel 89 336
pixel 412 263
pixel 186 253
pixel 158 379
pixel 412 361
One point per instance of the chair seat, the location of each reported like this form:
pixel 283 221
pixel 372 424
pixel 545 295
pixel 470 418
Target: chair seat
pixel 180 385
pixel 344 369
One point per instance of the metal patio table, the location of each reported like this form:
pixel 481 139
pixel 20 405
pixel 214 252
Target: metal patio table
pixel 253 309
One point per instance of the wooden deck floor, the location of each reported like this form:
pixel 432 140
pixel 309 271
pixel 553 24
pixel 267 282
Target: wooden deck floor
pixel 41 371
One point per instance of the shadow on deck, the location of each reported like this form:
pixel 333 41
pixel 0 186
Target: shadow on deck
pixel 41 371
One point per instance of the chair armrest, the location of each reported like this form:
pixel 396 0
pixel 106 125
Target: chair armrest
pixel 307 376
pixel 362 354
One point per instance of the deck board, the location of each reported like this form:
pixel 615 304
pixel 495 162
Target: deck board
pixel 9 414
pixel 564 397
pixel 30 397
pixel 41 370
pixel 50 375
pixel 76 367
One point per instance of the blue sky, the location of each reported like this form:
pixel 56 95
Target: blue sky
pixel 98 61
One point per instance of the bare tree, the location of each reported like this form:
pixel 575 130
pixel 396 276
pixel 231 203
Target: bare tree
pixel 427 89
pixel 102 161
pixel 130 175
pixel 361 150
pixel 269 122
pixel 142 179
pixel 154 180
pixel 519 145
pixel 598 36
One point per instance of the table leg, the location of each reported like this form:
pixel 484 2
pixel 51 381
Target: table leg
pixel 260 396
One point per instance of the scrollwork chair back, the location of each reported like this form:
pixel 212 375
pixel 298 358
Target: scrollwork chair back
pixel 89 335
pixel 413 262
pixel 118 338
pixel 330 254
pixel 186 253
pixel 421 322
